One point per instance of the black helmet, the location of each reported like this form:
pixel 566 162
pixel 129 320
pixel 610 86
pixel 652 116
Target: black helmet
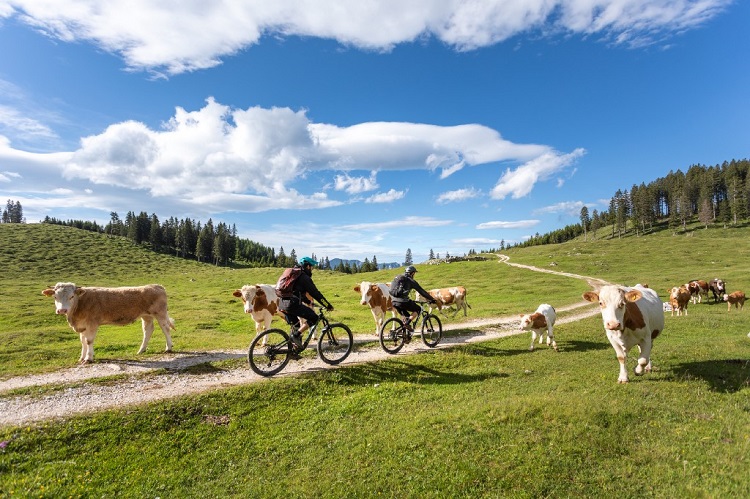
pixel 410 270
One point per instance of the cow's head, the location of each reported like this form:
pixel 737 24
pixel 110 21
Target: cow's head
pixel 615 302
pixel 248 294
pixel 366 290
pixel 66 294
pixel 531 321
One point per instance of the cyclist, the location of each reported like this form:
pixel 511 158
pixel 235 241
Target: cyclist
pixel 299 305
pixel 400 289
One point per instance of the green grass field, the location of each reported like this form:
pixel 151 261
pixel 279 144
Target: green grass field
pixel 480 420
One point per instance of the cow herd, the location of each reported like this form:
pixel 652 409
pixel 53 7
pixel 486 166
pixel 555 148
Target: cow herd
pixel 631 316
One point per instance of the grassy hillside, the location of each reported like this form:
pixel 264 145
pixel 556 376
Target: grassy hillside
pixel 482 420
pixel 208 317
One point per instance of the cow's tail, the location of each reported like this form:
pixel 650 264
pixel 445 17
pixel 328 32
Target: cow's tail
pixel 467 303
pixel 171 323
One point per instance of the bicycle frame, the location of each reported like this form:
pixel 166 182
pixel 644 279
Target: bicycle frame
pixel 311 331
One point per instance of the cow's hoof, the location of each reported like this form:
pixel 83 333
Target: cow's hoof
pixel 622 381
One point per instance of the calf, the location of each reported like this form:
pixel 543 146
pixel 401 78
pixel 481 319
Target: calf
pixel 718 288
pixel 540 321
pixel 698 290
pixel 261 302
pixel 376 296
pixel 88 308
pixel 631 317
pixel 679 297
pixel 737 299
pixel 454 297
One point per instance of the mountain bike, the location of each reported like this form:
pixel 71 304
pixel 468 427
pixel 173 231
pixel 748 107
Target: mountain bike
pixel 394 334
pixel 271 350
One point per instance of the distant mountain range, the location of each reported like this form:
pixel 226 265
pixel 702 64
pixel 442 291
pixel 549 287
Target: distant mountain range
pixel 336 261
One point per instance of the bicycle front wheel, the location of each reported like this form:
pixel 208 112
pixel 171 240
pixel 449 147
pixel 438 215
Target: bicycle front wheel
pixel 269 352
pixel 432 330
pixel 335 343
pixel 392 335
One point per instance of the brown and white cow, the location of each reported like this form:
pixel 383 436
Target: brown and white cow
pixel 631 317
pixel 377 297
pixel 736 298
pixel 261 302
pixel 679 297
pixel 454 297
pixel 698 290
pixel 87 308
pixel 718 288
pixel 541 321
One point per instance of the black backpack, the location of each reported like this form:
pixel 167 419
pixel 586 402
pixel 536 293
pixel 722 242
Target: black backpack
pixel 400 287
pixel 285 284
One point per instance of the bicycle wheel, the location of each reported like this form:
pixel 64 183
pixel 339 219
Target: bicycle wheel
pixel 335 343
pixel 269 359
pixel 432 330
pixel 392 335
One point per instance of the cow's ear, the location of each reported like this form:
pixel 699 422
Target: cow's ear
pixel 237 293
pixel 590 296
pixel 633 295
pixel 79 291
pixel 356 288
pixel 48 292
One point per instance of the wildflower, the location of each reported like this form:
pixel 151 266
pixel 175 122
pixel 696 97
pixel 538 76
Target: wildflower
pixel 3 444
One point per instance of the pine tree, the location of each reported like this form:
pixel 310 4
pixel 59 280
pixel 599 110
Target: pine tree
pixel 408 259
pixel 585 221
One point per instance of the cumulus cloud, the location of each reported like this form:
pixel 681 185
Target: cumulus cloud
pixel 252 159
pixel 519 182
pixel 457 195
pixel 356 185
pixel 386 197
pixel 173 37
pixel 399 224
pixel 518 224
pixel 572 208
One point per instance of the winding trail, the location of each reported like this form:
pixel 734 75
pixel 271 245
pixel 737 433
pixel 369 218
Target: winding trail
pixel 131 382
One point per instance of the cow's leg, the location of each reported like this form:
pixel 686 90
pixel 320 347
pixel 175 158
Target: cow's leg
pixel 644 359
pixel 148 329
pixel 622 356
pixel 551 337
pixel 84 348
pixel 533 340
pixel 165 324
pixel 87 339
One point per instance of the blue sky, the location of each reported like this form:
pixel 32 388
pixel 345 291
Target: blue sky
pixel 361 129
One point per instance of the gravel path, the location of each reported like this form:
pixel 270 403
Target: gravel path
pixel 130 384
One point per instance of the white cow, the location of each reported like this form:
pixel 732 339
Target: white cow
pixel 261 302
pixel 541 321
pixel 631 317
pixel 88 308
pixel 448 298
pixel 376 296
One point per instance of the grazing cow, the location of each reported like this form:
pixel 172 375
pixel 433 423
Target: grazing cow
pixel 698 290
pixel 540 322
pixel 261 302
pixel 454 297
pixel 88 308
pixel 718 288
pixel 377 297
pixel 737 299
pixel 631 316
pixel 679 297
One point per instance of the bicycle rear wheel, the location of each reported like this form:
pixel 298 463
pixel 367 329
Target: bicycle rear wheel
pixel 335 343
pixel 432 330
pixel 392 335
pixel 269 352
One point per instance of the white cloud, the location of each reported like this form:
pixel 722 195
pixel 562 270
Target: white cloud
pixel 175 36
pixel 520 182
pixel 356 185
pixel 386 197
pixel 572 208
pixel 457 195
pixel 248 159
pixel 399 224
pixel 518 224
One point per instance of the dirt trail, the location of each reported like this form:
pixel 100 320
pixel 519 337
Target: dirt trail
pixel 129 386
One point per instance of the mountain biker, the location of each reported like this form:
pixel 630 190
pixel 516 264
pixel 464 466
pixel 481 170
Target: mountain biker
pixel 399 291
pixel 298 305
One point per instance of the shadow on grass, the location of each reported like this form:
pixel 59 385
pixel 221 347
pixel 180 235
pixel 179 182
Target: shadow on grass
pixel 584 346
pixel 186 362
pixel 725 376
pixel 397 370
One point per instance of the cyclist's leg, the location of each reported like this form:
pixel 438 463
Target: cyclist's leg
pixel 309 316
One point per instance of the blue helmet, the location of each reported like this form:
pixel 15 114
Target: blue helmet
pixel 307 260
